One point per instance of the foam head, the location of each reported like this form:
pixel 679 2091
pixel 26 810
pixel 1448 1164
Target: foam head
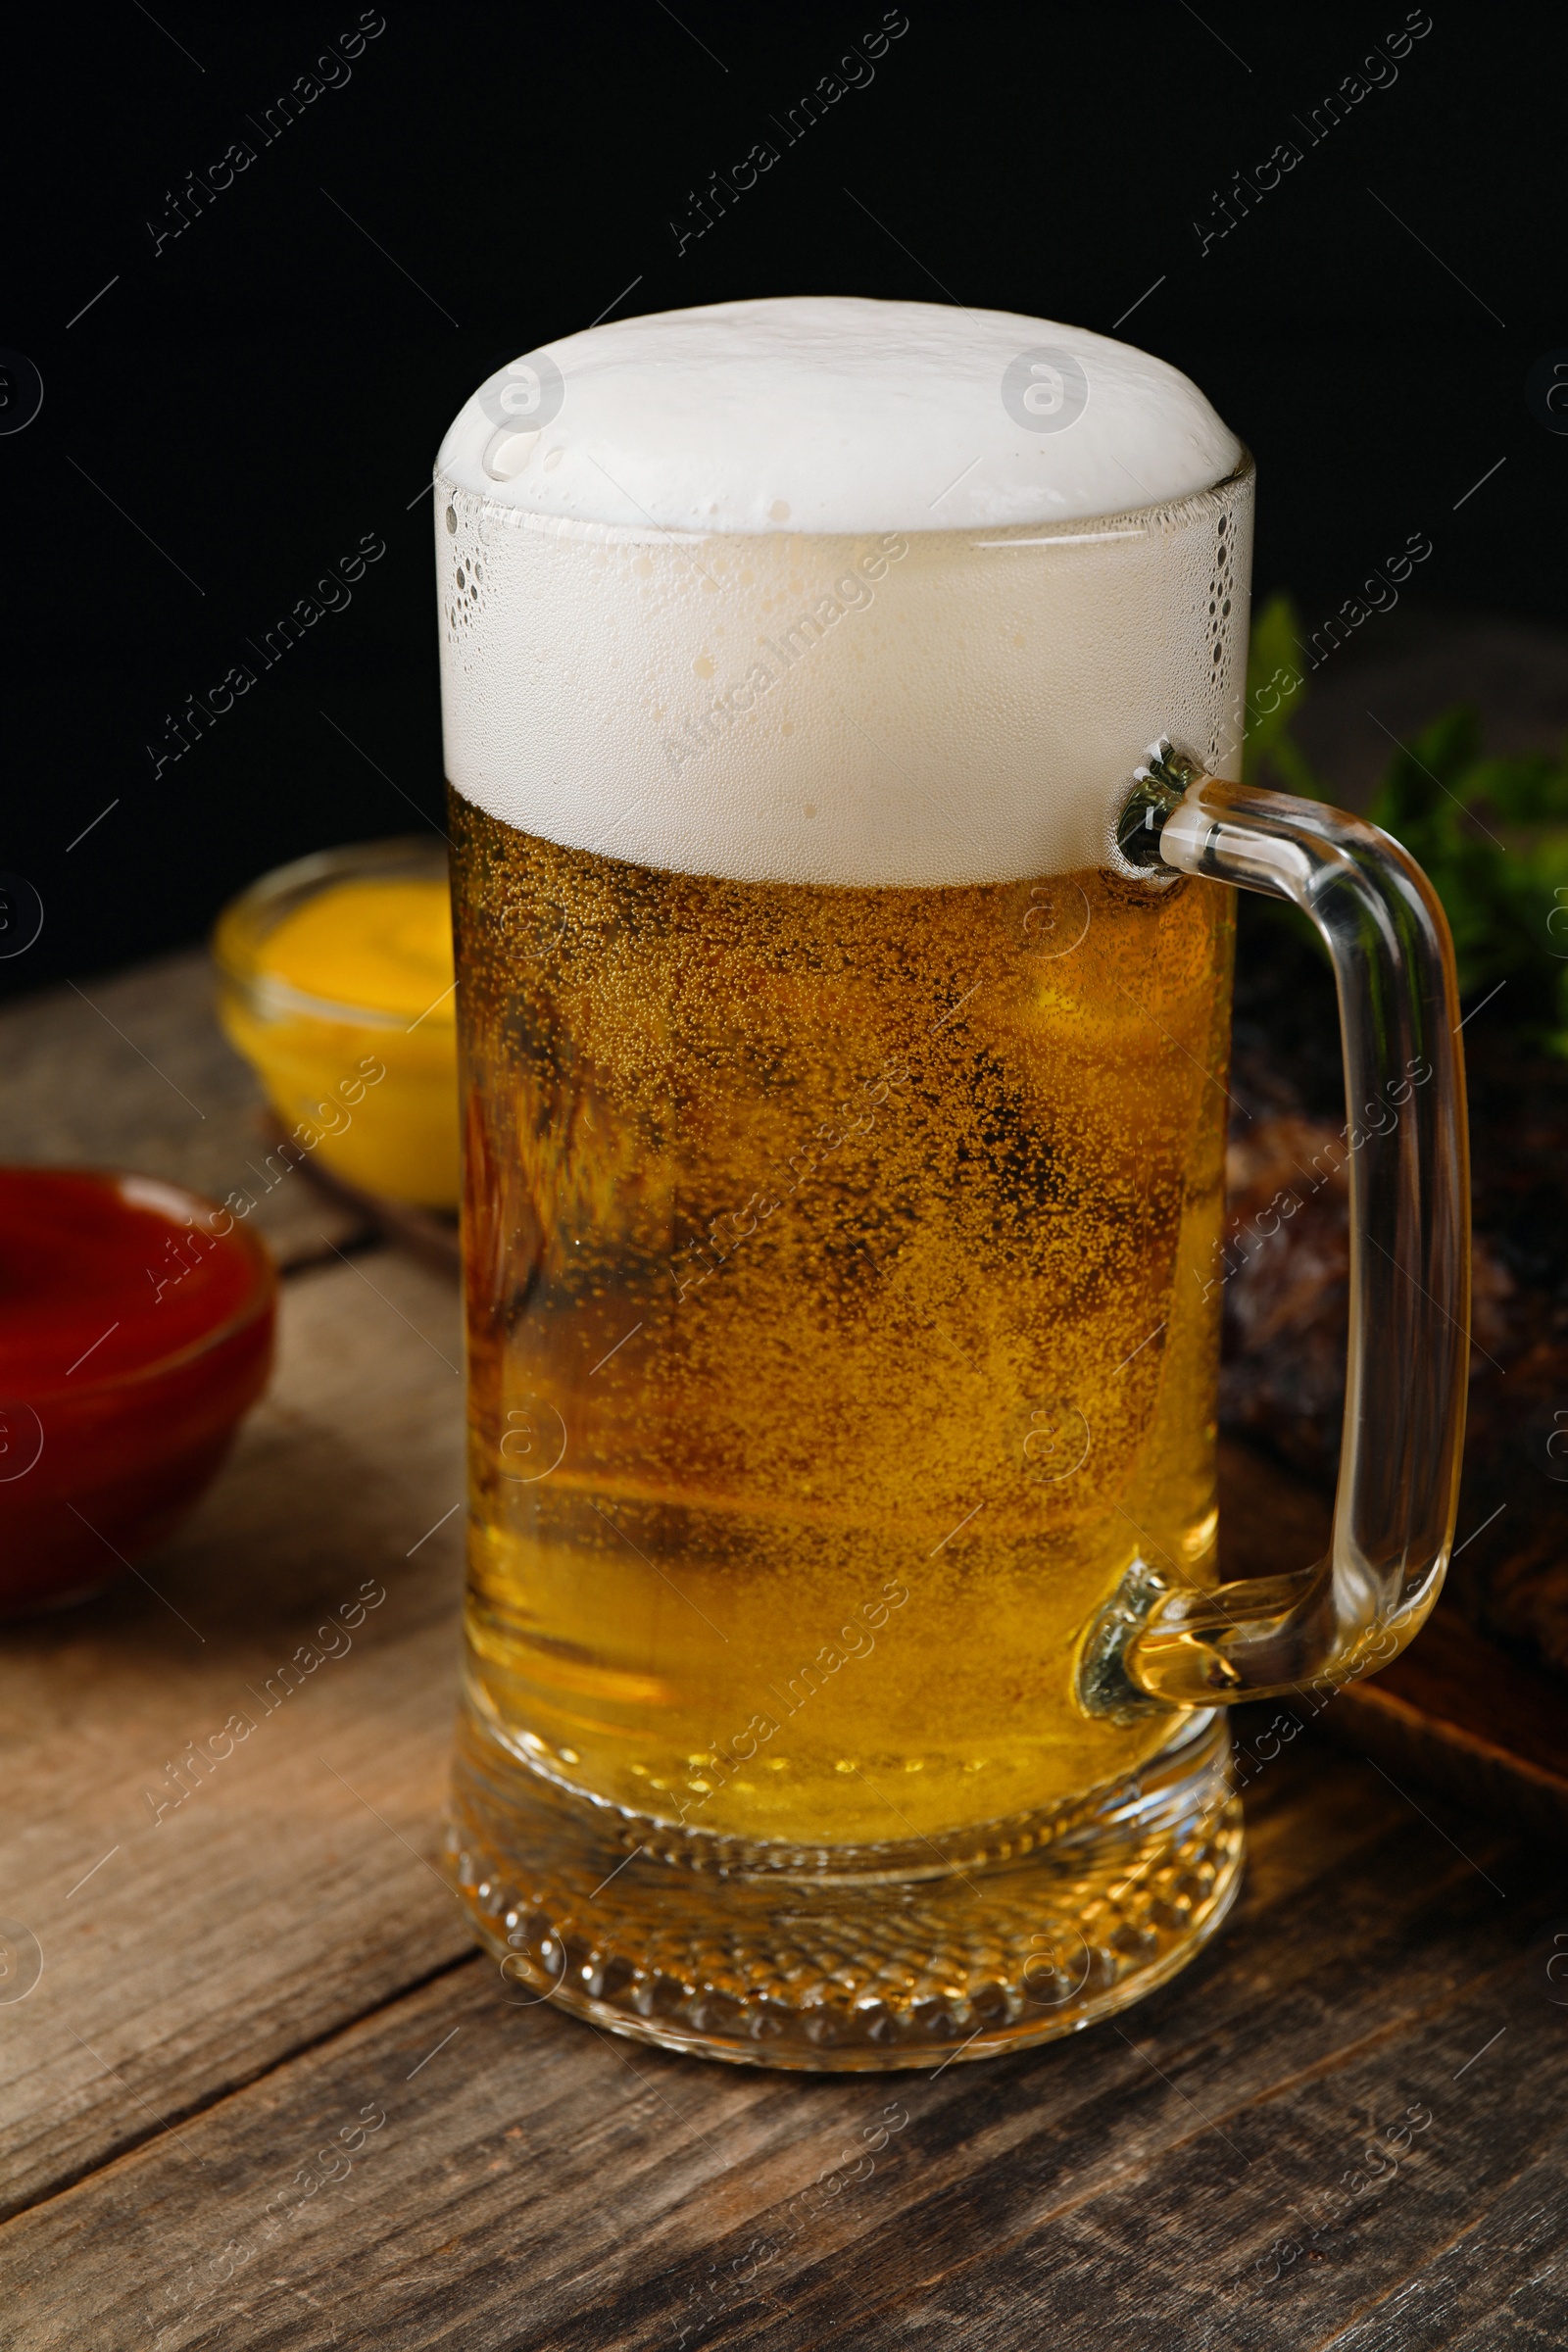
pixel 835 591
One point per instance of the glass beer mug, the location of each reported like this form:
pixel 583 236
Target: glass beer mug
pixel 844 1012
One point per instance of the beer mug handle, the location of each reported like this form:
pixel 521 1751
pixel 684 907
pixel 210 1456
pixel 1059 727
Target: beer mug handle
pixel 1407 1163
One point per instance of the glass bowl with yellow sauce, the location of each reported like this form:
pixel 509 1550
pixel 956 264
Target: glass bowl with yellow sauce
pixel 335 983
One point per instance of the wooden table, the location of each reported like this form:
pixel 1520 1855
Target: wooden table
pixel 269 1970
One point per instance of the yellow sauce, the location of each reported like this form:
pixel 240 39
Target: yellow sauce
pixel 364 1073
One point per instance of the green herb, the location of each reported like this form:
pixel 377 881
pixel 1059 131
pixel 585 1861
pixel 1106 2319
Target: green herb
pixel 1490 833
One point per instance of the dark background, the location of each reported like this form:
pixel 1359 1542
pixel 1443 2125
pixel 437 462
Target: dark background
pixel 238 408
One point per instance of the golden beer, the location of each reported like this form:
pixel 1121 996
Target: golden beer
pixel 843 1141
pixel 840 1322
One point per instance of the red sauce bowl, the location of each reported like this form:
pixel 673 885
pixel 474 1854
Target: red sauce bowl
pixel 136 1325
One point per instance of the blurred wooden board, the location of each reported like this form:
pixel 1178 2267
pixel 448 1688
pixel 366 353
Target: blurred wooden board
pixel 429 1235
pixel 274 1903
pixel 133 1072
pixel 526 2181
pixel 226 1991
pixel 1460 1715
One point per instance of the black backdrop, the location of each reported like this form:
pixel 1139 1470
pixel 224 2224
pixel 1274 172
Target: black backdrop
pixel 245 374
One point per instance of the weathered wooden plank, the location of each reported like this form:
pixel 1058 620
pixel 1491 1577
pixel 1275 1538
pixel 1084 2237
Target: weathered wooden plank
pixel 534 2184
pixel 228 1987
pixel 189 1941
pixel 1139 2213
pixel 1205 2246
pixel 1463 1717
pixel 133 1072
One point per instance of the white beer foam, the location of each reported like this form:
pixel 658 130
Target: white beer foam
pixel 836 591
pixel 827 413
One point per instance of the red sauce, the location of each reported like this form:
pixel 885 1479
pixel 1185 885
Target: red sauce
pixel 135 1330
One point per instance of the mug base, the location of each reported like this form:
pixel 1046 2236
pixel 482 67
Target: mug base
pixel 845 1960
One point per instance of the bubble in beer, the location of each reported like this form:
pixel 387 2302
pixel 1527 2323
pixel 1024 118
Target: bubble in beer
pixel 1056 919
pixel 1055 1442
pixel 533 1440
pixel 540 932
